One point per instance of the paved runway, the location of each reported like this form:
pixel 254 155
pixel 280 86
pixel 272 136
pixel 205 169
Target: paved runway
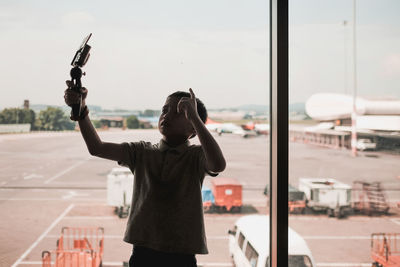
pixel 49 180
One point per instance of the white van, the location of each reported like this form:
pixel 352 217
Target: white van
pixel 249 244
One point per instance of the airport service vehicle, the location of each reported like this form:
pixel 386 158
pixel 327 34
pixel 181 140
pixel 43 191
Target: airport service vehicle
pixel 327 194
pixel 227 194
pixel 119 190
pixel 77 247
pixel 365 144
pixel 297 199
pixel 385 249
pixel 249 244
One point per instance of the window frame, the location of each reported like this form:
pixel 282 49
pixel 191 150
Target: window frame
pixel 279 129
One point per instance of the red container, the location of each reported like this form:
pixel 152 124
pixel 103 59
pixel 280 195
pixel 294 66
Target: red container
pixel 227 193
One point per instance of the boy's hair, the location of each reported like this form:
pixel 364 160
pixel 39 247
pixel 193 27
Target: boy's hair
pixel 201 109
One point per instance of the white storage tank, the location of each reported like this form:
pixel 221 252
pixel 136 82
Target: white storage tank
pixel 119 190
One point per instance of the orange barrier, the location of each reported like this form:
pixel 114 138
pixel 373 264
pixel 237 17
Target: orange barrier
pixel 77 247
pixel 385 249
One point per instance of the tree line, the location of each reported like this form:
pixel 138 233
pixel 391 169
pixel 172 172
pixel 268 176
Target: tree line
pixel 51 119
pixel 54 119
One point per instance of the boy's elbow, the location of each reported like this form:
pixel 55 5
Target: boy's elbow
pixel 218 167
pixel 93 152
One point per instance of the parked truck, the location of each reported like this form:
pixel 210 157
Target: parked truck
pixel 327 194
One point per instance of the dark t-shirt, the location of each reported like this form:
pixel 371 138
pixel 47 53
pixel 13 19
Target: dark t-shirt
pixel 166 211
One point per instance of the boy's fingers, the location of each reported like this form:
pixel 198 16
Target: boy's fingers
pixel 192 96
pixel 69 83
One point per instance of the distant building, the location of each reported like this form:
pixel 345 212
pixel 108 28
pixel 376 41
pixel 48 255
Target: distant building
pixel 26 104
pixel 376 120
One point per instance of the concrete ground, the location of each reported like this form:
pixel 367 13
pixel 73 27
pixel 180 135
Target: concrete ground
pixel 49 180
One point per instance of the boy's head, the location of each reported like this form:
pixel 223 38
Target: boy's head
pixel 175 125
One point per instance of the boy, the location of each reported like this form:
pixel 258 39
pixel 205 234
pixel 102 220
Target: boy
pixel 165 224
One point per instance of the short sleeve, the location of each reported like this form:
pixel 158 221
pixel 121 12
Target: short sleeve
pixel 129 151
pixel 202 162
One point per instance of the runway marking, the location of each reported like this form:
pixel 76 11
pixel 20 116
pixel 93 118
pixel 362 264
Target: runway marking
pixel 396 221
pixel 105 236
pixel 91 217
pixel 344 264
pixel 327 237
pixel 72 194
pixel 55 199
pixel 55 222
pixel 66 170
pixel 32 176
pixel 106 263
pixel 326 218
pixel 121 236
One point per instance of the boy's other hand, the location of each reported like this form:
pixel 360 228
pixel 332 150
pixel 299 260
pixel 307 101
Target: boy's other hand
pixel 71 97
pixel 188 106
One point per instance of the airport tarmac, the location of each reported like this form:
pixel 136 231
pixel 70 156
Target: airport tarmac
pixel 49 180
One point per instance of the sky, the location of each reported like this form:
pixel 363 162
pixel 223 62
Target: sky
pixel 142 51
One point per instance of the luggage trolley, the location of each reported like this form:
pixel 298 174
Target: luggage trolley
pixel 385 249
pixel 77 247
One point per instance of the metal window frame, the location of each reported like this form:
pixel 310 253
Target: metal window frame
pixel 279 132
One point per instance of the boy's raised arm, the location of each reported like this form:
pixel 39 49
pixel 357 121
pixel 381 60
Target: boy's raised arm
pixel 215 161
pixel 93 142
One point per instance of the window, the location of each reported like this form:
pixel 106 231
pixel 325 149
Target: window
pixel 343 132
pixel 251 254
pixel 299 261
pixel 241 240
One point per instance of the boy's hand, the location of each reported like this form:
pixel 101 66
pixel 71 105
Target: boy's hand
pixel 188 106
pixel 72 97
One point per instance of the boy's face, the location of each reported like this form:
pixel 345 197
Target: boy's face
pixel 173 124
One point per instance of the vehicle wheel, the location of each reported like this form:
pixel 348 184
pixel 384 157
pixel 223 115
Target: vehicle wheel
pixel 120 212
pixel 330 213
pixel 339 213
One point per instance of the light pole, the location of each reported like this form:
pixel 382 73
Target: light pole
pixel 354 113
pixel 345 56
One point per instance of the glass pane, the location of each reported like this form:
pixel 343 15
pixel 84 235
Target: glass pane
pixel 344 133
pixel 141 52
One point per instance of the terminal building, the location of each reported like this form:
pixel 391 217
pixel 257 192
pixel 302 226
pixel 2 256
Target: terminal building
pixel 377 122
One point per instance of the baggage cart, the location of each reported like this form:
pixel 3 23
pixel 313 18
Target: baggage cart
pixel 327 194
pixel 297 200
pixel 369 198
pixel 119 190
pixel 77 247
pixel 385 249
pixel 208 198
pixel 227 194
